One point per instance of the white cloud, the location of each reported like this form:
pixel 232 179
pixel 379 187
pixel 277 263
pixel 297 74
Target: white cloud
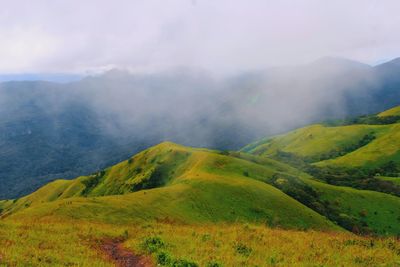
pixel 221 35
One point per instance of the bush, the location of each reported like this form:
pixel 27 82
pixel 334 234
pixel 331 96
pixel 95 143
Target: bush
pixel 153 244
pixel 214 264
pixel 243 249
pixel 163 258
pixel 184 263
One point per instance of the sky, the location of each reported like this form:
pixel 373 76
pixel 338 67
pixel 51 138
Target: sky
pixel 222 36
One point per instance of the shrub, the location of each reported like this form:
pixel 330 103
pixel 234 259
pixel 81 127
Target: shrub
pixel 152 244
pixel 243 249
pixel 163 258
pixel 214 264
pixel 184 263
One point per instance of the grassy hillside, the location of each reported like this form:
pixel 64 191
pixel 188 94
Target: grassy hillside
pixel 373 148
pixel 390 112
pixel 174 183
pixel 379 211
pixel 384 149
pixel 343 156
pixel 183 206
pixel 198 245
pixel 316 141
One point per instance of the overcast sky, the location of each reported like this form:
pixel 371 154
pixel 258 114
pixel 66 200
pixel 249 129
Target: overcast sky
pixel 219 35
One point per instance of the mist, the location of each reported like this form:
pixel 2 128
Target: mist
pixel 199 108
pixel 221 36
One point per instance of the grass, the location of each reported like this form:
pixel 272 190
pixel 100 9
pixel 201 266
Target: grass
pixel 204 186
pixel 255 245
pixel 383 149
pixel 49 243
pixel 315 140
pixel 181 204
pixel 191 186
pixel 42 243
pixel 207 198
pixel 336 147
pixel 390 112
pixel 395 180
pixel 381 212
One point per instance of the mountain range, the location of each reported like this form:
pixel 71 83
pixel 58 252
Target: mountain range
pixel 312 185
pixel 62 130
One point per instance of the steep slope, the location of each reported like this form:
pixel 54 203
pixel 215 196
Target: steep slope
pixel 172 183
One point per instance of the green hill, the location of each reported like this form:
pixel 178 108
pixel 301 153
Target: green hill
pixel 372 148
pixel 170 182
pixel 385 148
pixel 181 206
pixel 379 211
pixel 173 183
pixel 390 112
pixel 346 156
pixel 316 141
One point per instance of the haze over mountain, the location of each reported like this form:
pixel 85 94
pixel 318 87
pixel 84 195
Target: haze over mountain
pixel 49 77
pixel 52 130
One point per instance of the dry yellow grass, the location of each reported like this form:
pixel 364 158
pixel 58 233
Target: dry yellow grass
pixel 50 242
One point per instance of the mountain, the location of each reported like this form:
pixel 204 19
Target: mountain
pixel 50 130
pixel 175 183
pixel 187 185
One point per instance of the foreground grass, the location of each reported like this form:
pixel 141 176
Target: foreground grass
pixel 70 243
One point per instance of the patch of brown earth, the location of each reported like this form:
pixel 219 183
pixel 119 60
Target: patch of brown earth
pixel 123 257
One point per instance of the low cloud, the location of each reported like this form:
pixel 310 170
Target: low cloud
pixel 220 36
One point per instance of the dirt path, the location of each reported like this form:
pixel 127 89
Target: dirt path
pixel 121 256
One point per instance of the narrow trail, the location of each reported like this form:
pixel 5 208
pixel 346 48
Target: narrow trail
pixel 122 257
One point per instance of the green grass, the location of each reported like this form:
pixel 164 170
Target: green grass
pixel 202 186
pixel 210 207
pixel 383 149
pixel 390 112
pixel 336 147
pixel 381 212
pixel 314 141
pixel 206 206
pixel 208 187
pixel 395 180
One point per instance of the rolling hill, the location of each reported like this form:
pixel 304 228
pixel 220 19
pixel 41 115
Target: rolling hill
pixel 171 182
pixel 369 144
pixel 181 206
pixel 190 185
pixel 390 112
